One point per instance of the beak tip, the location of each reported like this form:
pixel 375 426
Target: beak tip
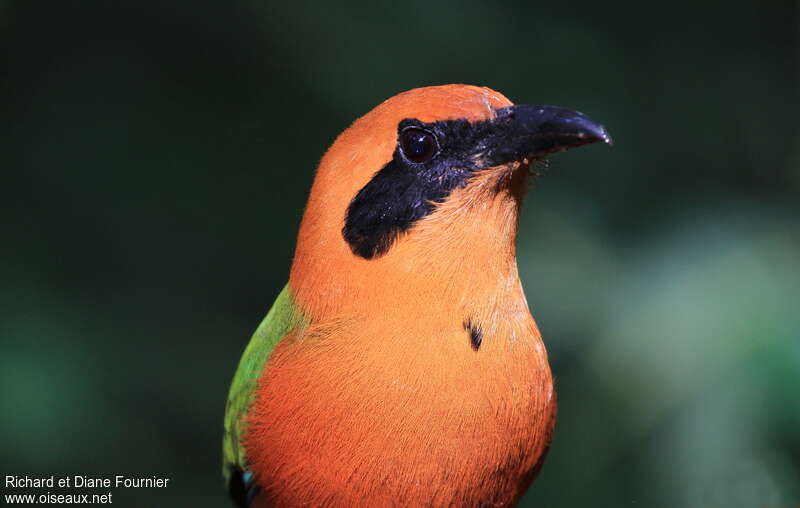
pixel 605 137
pixel 597 132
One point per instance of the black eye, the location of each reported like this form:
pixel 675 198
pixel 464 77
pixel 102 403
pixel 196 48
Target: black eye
pixel 419 145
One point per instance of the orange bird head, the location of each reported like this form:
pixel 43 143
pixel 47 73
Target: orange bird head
pixel 427 184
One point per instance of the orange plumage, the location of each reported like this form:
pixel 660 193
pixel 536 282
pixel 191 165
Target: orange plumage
pixel 381 399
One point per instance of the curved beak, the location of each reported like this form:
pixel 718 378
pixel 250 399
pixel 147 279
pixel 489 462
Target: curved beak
pixel 528 131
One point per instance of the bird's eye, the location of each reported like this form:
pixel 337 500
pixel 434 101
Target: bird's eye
pixel 418 145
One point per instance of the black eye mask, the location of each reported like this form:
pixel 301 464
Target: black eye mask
pixel 432 159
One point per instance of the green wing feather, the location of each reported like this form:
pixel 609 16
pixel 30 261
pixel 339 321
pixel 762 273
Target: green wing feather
pixel 282 318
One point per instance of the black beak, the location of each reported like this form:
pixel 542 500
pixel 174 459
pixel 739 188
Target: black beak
pixel 533 131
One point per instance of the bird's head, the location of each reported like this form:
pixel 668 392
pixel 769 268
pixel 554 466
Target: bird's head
pixel 425 181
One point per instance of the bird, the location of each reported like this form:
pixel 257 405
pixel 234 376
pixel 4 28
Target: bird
pixel 400 365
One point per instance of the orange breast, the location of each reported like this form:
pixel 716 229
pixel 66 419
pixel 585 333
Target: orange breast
pixel 354 422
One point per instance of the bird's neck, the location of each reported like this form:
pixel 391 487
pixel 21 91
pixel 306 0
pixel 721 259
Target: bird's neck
pixel 459 263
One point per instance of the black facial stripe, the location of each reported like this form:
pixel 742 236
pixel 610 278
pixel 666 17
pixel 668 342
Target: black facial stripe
pixel 403 192
pixel 411 184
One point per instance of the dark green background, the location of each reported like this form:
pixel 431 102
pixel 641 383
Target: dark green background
pixel 156 157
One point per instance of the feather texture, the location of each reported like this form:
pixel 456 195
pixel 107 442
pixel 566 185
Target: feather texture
pixel 282 318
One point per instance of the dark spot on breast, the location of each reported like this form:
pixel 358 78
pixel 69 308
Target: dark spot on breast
pixel 475 333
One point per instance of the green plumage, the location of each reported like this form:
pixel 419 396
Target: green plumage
pixel 281 319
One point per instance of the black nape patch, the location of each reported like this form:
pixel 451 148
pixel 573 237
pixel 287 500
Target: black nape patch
pixel 242 488
pixel 475 334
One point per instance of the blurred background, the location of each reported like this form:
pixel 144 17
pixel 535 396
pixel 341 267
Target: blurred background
pixel 156 157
